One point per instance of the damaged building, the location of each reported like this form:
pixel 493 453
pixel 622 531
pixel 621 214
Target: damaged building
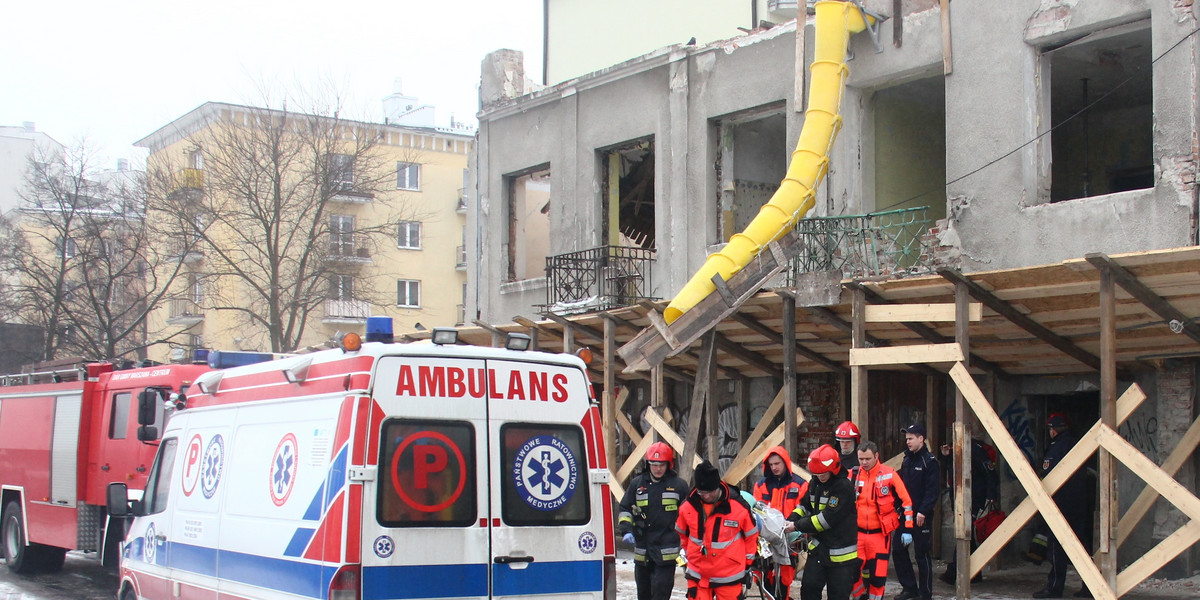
pixel 1013 155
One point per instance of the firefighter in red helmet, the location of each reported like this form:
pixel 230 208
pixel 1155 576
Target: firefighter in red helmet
pixel 847 437
pixel 827 514
pixel 646 520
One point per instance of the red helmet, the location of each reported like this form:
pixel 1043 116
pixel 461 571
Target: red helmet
pixel 824 460
pixel 847 430
pixel 661 452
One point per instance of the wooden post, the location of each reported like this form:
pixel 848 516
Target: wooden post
pixel 962 452
pixel 711 427
pixel 568 339
pixel 931 426
pixel 789 374
pixel 1109 514
pixel 858 375
pixel 609 398
pixel 656 393
pixel 700 396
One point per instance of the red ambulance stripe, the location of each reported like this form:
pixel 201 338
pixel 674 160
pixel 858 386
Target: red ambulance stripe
pixel 361 416
pixel 345 417
pixel 589 432
pixel 191 592
pixel 373 442
pixel 326 544
pixel 354 524
pixel 609 544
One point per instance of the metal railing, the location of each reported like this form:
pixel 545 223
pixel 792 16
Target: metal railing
pixel 462 315
pixel 885 244
pixel 347 309
pixel 460 254
pixel 184 308
pixel 597 279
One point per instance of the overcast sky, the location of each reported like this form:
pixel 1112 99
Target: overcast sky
pixel 117 71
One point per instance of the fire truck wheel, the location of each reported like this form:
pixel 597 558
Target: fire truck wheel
pixel 50 559
pixel 12 531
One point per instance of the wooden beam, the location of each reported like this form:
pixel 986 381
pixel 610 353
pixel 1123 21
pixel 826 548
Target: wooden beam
pixel 751 358
pixel 774 336
pixel 1019 465
pixel 497 333
pixel 963 486
pixel 660 325
pixel 831 318
pixel 634 458
pixel 676 374
pixel 858 374
pixel 1158 556
pixel 1078 455
pixel 789 375
pixel 1020 320
pixel 918 313
pixel 608 399
pixel 739 469
pixel 1145 500
pixel 1130 283
pixel 668 435
pixel 764 423
pixel 628 428
pixel 903 355
pixel 708 353
pixel 928 334
pixel 1109 514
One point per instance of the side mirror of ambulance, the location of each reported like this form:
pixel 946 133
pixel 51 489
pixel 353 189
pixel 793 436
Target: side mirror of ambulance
pixel 118 500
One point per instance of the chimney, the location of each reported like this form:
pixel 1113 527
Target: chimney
pixel 502 76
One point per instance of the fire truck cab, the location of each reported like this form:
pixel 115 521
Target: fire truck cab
pixel 379 471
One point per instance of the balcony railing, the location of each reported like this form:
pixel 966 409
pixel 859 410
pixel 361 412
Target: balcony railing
pixel 597 279
pixel 343 191
pixel 187 179
pixel 346 310
pixel 886 244
pixel 461 319
pixel 461 206
pixel 184 310
pixel 460 254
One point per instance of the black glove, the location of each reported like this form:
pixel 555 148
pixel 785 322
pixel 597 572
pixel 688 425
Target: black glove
pixel 748 580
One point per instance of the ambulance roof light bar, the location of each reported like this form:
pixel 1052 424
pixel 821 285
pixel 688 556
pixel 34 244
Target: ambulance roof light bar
pixel 444 335
pixel 517 341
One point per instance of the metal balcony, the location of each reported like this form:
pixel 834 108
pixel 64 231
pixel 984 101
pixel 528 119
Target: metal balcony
pixel 460 254
pixel 346 311
pixel 187 180
pixel 184 311
pixel 887 244
pixel 344 193
pixel 598 279
pixel 461 319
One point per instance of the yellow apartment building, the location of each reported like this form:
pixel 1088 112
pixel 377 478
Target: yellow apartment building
pixel 390 235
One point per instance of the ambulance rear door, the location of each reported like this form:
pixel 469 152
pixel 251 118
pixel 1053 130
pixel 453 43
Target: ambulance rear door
pixel 545 542
pixel 425 526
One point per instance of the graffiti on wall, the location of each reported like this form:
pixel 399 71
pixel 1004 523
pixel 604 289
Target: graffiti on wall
pixel 1018 422
pixel 1140 431
pixel 729 430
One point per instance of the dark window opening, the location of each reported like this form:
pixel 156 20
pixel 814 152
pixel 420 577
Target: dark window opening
pixel 752 159
pixel 628 188
pixel 528 237
pixel 1101 105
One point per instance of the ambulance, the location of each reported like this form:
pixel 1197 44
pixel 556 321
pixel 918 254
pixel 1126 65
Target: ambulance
pixel 378 471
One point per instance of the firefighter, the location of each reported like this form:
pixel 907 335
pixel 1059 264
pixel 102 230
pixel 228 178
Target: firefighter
pixel 878 490
pixel 1073 500
pixel 985 490
pixel 826 514
pixel 779 488
pixel 922 479
pixel 647 521
pixel 847 437
pixel 720 536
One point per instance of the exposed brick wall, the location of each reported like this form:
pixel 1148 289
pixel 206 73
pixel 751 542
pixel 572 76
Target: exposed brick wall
pixel 821 401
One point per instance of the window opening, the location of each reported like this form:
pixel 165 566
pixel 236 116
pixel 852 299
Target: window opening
pixel 408 293
pixel 751 161
pixel 408 176
pixel 528 240
pixel 409 235
pixel 341 235
pixel 1101 105
pixel 628 188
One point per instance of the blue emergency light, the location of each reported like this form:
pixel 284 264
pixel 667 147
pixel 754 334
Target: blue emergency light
pixel 223 360
pixel 379 329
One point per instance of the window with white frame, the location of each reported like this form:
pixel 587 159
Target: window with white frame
pixel 409 235
pixel 408 176
pixel 341 287
pixel 67 247
pixel 408 293
pixel 341 171
pixel 341 235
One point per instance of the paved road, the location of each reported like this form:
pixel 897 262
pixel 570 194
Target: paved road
pixel 82 578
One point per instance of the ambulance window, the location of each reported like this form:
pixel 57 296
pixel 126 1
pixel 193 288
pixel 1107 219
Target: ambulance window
pixel 427 474
pixel 544 479
pixel 120 416
pixel 159 481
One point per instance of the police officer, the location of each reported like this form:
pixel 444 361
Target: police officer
pixel 1073 500
pixel 828 516
pixel 847 437
pixel 720 534
pixel 779 488
pixel 647 520
pixel 922 478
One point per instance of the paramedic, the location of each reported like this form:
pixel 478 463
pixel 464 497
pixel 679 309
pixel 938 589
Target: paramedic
pixel 921 478
pixel 779 488
pixel 878 490
pixel 647 521
pixel 720 536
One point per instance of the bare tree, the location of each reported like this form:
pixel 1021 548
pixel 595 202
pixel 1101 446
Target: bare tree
pixel 80 263
pixel 263 215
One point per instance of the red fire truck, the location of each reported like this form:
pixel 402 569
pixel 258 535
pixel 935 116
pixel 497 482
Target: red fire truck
pixel 65 434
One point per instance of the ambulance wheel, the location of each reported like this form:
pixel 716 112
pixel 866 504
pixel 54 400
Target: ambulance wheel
pixel 12 530
pixel 127 593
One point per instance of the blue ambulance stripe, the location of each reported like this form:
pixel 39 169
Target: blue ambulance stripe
pixel 334 481
pixel 454 581
pixel 548 578
pixel 306 579
pixel 299 542
pixel 425 581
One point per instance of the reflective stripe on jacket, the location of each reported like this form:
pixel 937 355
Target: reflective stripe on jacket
pixel 648 511
pixel 780 493
pixel 827 513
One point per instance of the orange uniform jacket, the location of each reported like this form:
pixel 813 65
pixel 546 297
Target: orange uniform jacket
pixel 721 540
pixel 877 491
pixel 782 493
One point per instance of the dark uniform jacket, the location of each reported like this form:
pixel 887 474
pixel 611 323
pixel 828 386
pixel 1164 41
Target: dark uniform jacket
pixel 649 510
pixel 1074 497
pixel 985 481
pixel 828 515
pixel 921 476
